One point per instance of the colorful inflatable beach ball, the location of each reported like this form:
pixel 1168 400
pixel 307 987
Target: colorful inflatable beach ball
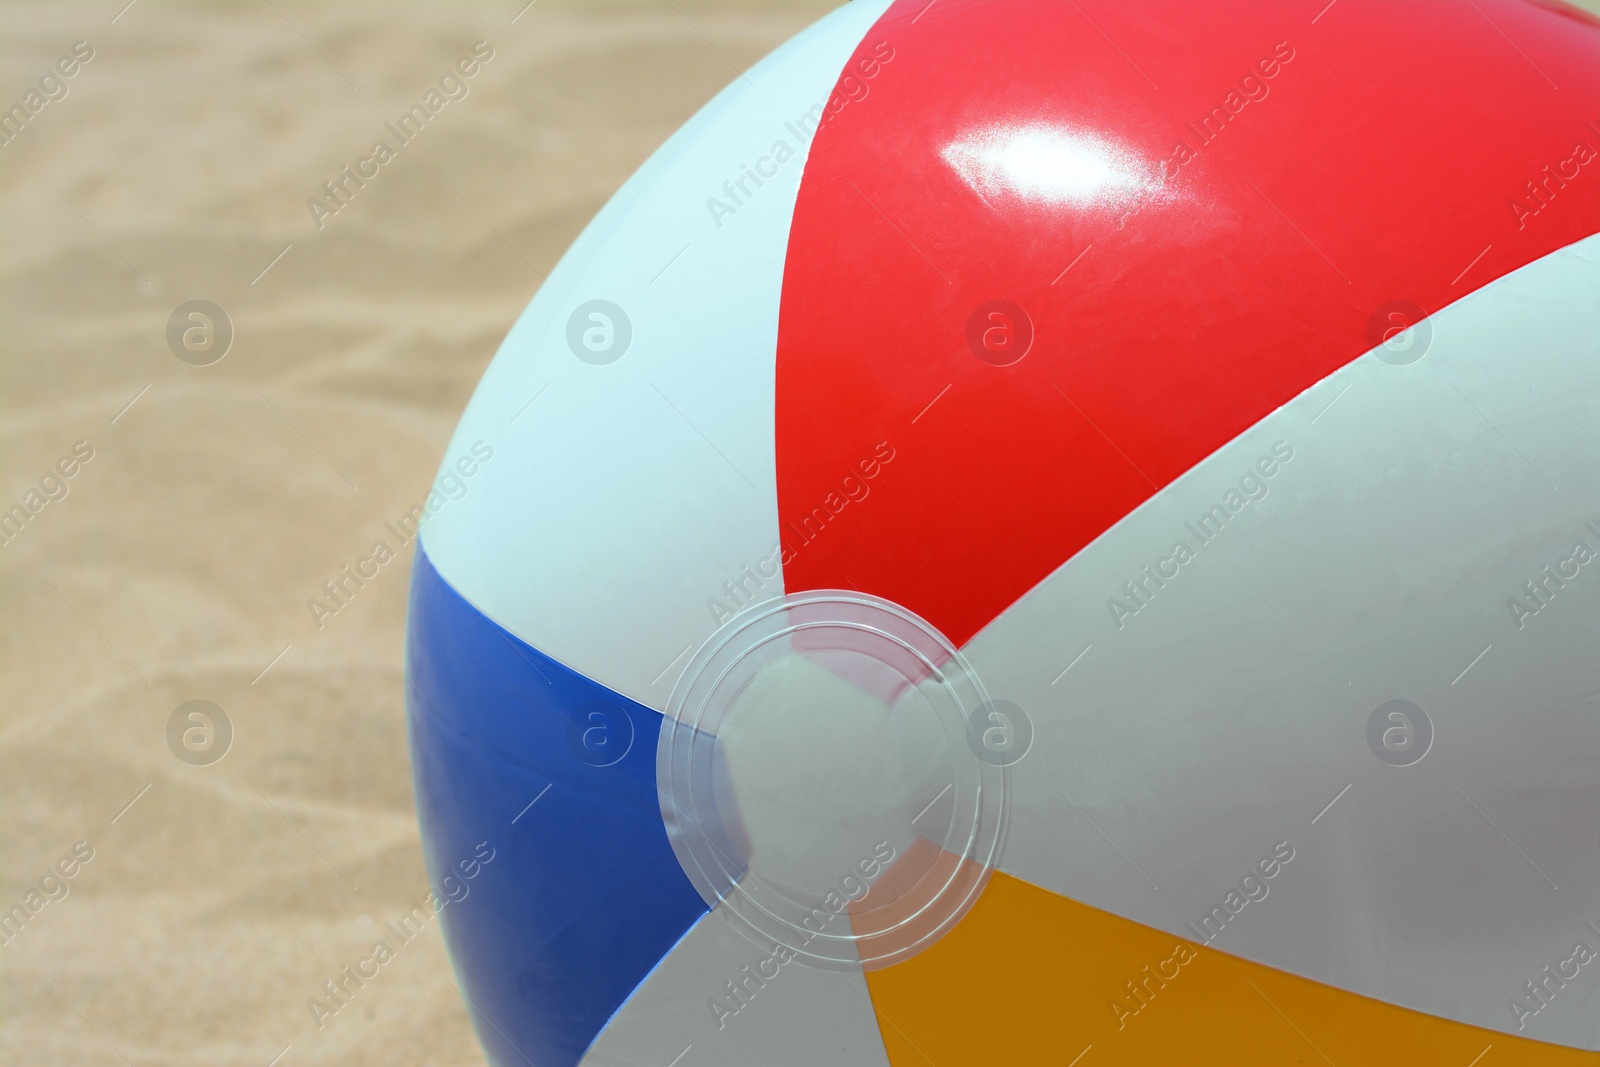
pixel 1046 533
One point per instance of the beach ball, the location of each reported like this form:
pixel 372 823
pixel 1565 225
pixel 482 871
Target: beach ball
pixel 1046 533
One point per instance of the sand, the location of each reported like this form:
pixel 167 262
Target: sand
pixel 219 498
pixel 179 563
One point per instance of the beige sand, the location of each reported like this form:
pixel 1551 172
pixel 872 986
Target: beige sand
pixel 179 565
